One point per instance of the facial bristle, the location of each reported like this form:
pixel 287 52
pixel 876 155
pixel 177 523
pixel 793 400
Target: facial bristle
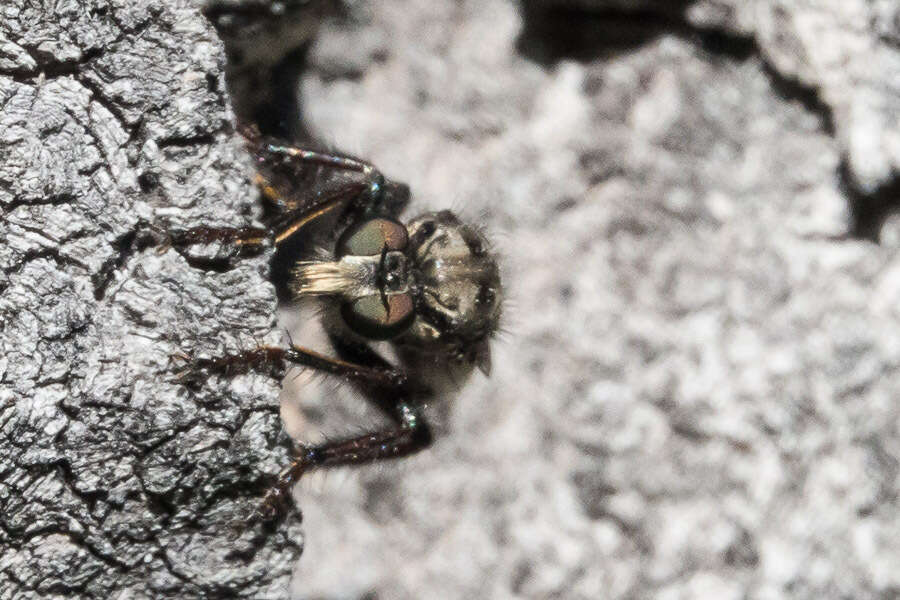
pixel 321 278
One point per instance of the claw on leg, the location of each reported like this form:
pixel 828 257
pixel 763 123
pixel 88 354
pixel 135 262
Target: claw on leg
pixel 263 359
pixel 411 435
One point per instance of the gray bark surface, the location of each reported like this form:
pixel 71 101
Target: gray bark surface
pixel 116 481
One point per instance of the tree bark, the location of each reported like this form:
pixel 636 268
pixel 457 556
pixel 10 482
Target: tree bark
pixel 115 480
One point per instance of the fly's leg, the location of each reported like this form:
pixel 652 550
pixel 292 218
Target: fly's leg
pixel 410 435
pixel 383 384
pixel 242 241
pixel 239 242
pixel 326 159
pixel 274 361
pixel 281 166
pixel 387 387
pixel 371 196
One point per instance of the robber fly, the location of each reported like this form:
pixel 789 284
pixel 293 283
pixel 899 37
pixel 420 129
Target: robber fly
pixel 430 287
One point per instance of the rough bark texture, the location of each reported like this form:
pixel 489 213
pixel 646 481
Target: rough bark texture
pixel 114 480
pixel 697 394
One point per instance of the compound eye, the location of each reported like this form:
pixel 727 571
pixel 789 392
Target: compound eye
pixel 371 237
pixel 379 317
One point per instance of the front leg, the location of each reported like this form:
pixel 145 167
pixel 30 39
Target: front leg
pixel 409 436
pixel 237 242
pixel 274 361
pixel 240 241
pixel 289 177
pixel 411 433
pixel 283 177
pixel 382 383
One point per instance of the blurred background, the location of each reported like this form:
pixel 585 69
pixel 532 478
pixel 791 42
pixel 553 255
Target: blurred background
pixel 696 393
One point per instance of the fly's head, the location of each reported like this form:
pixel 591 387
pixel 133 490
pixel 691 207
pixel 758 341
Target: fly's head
pixel 431 287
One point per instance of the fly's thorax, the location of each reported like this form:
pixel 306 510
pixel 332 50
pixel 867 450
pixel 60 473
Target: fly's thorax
pixel 457 289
